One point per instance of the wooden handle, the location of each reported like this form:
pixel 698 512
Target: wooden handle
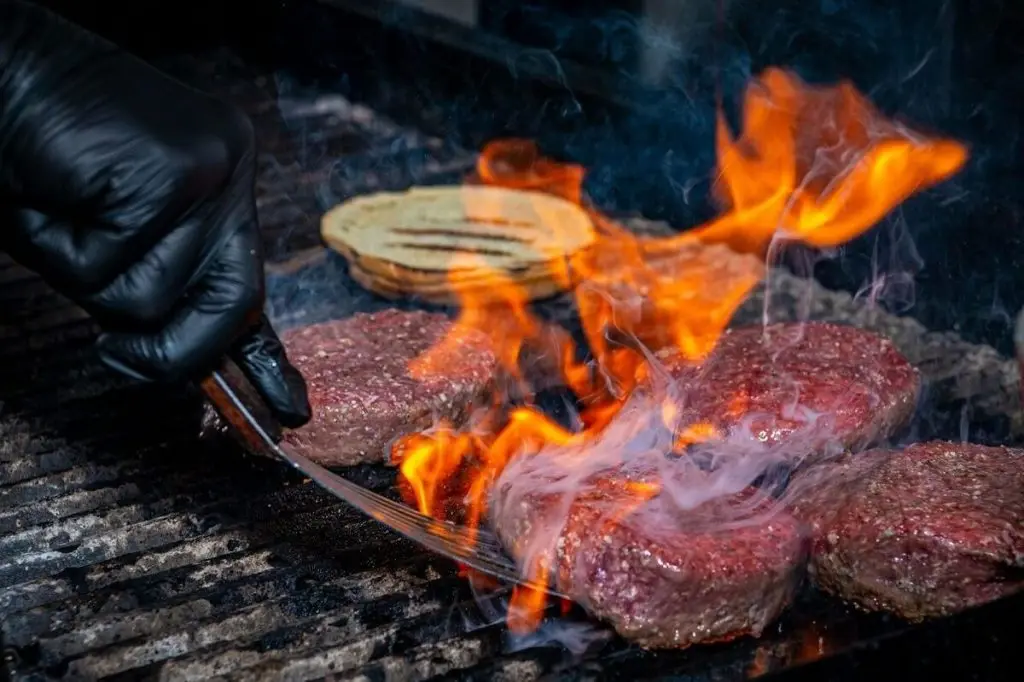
pixel 232 395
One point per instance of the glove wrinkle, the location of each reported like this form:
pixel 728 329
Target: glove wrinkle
pixel 148 291
pixel 204 327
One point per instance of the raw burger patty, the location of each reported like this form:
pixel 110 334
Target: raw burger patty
pixel 814 387
pixel 361 390
pixel 924 532
pixel 663 578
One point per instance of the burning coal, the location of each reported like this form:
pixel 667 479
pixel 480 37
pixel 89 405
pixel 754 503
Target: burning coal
pixel 816 165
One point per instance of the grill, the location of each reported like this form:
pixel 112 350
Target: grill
pixel 131 550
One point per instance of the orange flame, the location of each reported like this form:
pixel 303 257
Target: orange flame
pixel 815 164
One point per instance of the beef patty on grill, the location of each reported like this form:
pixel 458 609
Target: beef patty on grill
pixel 361 389
pixel 809 388
pixel 924 532
pixel 662 576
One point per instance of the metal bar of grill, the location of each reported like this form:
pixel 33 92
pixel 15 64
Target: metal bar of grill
pixel 128 550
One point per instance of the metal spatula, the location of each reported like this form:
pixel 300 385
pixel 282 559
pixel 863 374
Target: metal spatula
pixel 251 422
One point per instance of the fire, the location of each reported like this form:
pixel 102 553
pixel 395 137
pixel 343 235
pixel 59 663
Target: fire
pixel 817 165
pixel 810 643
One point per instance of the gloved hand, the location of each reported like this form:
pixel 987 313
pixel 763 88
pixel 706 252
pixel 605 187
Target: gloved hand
pixel 134 196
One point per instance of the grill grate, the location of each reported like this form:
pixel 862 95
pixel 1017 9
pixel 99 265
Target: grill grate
pixel 130 551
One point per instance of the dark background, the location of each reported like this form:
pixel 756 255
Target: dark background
pixel 951 67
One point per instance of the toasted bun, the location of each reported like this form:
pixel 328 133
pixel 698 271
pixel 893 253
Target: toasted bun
pixel 425 241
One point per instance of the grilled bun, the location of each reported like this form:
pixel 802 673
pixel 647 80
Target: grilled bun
pixel 430 242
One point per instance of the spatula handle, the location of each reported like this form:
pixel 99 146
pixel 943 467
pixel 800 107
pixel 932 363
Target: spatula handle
pixel 239 404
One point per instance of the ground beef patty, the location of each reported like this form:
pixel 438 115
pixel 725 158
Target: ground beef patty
pixel 810 387
pixel 361 389
pixel 662 577
pixel 924 532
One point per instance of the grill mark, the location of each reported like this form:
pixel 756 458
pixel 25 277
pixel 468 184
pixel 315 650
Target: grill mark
pixel 458 234
pixel 437 248
pixel 503 222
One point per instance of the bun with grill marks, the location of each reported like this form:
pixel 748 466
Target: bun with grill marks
pixel 430 242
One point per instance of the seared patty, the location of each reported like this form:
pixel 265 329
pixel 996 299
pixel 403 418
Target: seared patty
pixel 808 388
pixel 663 577
pixel 362 392
pixel 924 532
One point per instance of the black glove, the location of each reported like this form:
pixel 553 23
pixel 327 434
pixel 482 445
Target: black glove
pixel 134 196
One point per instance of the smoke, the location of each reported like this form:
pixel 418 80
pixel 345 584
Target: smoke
pixel 577 636
pixel 635 471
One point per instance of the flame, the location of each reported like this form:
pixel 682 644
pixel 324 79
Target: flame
pixel 814 164
pixel 809 643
